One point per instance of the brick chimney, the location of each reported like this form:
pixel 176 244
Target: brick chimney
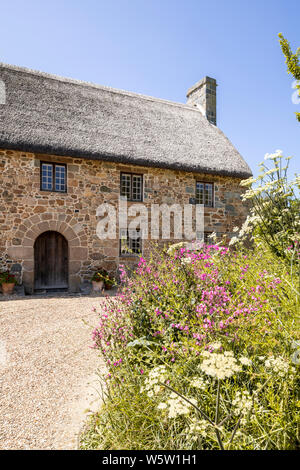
pixel 203 96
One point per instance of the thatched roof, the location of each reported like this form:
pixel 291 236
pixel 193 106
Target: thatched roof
pixel 53 115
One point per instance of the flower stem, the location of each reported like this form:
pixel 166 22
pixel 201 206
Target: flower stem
pixel 217 417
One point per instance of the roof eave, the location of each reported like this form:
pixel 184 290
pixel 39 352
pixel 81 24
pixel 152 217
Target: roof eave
pixel 125 159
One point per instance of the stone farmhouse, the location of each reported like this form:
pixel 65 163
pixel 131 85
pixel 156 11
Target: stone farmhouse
pixel 67 147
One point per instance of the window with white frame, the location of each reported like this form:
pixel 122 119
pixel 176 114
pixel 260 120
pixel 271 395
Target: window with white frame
pixel 130 242
pixel 132 186
pixel 53 177
pixel 205 193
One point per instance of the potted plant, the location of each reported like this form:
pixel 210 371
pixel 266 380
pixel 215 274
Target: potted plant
pixel 7 282
pixel 109 282
pixel 98 280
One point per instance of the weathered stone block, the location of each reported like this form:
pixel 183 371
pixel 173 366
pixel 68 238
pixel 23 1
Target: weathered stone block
pixel 190 189
pixel 43 227
pixel 20 252
pixel 78 253
pixel 74 267
pixel 39 209
pixel 230 208
pixel 74 283
pixel 85 287
pixel 105 189
pixel 20 290
pixel 28 265
pixel 28 282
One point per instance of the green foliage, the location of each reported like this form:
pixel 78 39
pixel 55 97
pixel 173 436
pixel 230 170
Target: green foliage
pixel 275 208
pixel 292 62
pixel 7 278
pixel 102 275
pixel 253 405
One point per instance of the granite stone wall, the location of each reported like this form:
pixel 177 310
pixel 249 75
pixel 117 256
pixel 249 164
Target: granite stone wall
pixel 26 211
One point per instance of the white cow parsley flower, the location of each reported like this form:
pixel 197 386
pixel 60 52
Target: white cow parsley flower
pixel 178 406
pixel 245 361
pixel 156 375
pixel 220 365
pixel 199 382
pixel 261 358
pixel 279 365
pixel 273 156
pixel 214 346
pixel 233 241
pixel 162 406
pixel 198 428
pixel 242 403
pixel 186 260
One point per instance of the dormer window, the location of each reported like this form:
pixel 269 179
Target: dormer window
pixel 53 177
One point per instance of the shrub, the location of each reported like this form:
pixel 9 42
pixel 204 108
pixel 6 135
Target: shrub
pixel 275 210
pixel 214 326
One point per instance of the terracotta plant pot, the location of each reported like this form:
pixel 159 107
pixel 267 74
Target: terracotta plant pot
pixel 98 286
pixel 108 286
pixel 8 288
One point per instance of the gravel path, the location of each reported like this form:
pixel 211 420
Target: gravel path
pixel 47 371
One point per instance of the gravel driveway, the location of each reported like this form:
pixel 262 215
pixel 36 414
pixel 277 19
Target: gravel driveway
pixel 47 371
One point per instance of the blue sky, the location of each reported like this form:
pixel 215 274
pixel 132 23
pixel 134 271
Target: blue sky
pixel 162 47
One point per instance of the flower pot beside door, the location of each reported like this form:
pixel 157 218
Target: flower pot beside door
pixel 8 288
pixel 109 282
pixel 7 283
pixel 102 280
pixel 98 281
pixel 98 286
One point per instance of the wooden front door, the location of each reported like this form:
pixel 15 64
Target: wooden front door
pixel 51 261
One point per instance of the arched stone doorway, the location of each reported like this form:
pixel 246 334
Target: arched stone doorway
pixel 38 224
pixel 51 262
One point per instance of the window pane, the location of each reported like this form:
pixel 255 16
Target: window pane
pixel 200 193
pixel 47 176
pixel 135 241
pixel 136 187
pixel 124 242
pixel 206 237
pixel 126 186
pixel 204 194
pixel 130 242
pixel 60 172
pixel 208 194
